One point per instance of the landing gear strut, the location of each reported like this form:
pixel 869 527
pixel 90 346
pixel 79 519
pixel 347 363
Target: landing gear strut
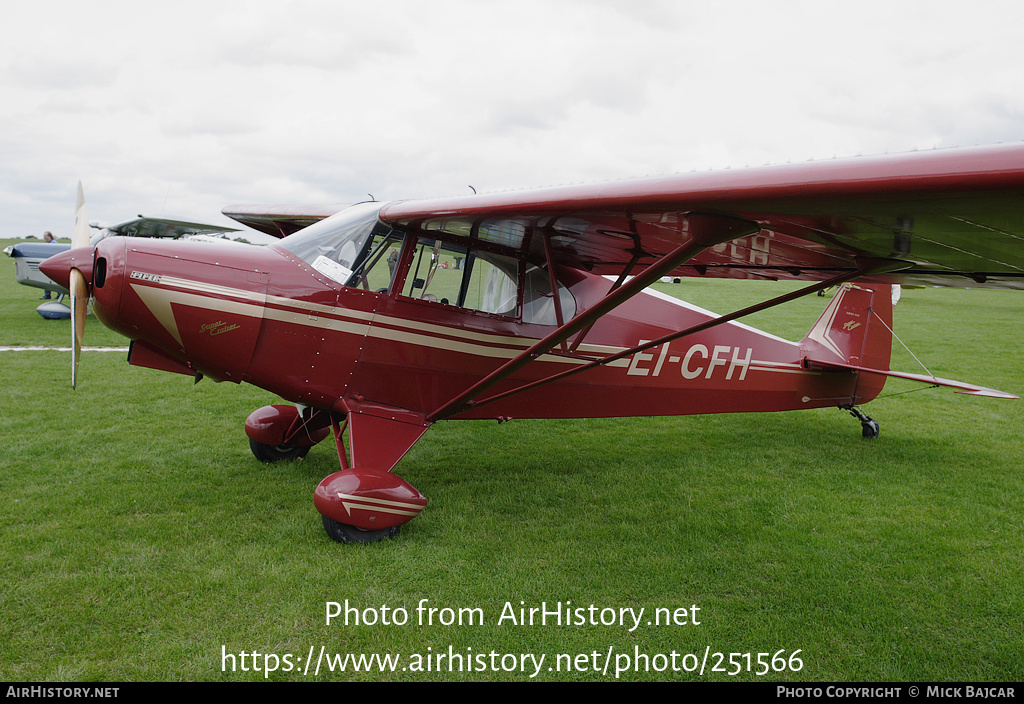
pixel 869 426
pixel 360 503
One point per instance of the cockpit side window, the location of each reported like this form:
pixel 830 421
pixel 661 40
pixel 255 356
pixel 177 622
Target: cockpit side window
pixel 491 284
pixel 354 248
pixel 478 279
pixel 455 275
pixel 376 266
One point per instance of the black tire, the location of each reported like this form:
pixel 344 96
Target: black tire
pixel 270 453
pixel 869 429
pixel 350 534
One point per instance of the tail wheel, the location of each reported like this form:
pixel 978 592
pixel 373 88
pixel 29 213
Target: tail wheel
pixel 350 534
pixel 869 426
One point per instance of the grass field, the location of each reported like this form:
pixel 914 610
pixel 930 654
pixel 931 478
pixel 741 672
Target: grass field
pixel 140 539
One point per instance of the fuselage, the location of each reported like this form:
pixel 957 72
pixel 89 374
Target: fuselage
pixel 270 317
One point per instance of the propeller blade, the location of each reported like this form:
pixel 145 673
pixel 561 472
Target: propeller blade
pixel 79 309
pixel 80 236
pixel 78 287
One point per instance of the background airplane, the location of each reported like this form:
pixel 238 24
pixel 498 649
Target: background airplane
pixel 29 255
pixel 383 319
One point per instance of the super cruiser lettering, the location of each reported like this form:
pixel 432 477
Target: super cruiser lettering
pixel 218 328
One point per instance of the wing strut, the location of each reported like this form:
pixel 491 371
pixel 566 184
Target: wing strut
pixel 618 282
pixel 703 231
pixel 553 281
pixel 865 267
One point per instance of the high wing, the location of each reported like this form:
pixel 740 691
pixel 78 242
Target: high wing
pixel 951 217
pixel 159 227
pixel 280 220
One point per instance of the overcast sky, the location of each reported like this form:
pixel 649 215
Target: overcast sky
pixel 176 109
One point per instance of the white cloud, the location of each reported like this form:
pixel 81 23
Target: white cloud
pixel 178 109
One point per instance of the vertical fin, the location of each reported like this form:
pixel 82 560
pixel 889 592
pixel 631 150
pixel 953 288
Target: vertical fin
pixel 854 329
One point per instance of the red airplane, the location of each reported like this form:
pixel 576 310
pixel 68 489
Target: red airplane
pixel 385 318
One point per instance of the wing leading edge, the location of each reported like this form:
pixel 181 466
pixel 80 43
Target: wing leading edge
pixel 953 217
pixel 280 220
pixel 160 227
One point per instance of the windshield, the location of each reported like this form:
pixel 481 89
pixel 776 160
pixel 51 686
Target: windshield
pixel 337 246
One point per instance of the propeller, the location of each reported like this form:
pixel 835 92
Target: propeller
pixel 77 285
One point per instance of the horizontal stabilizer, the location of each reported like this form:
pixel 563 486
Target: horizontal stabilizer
pixel 959 386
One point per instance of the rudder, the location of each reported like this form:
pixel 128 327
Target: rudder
pixel 855 330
